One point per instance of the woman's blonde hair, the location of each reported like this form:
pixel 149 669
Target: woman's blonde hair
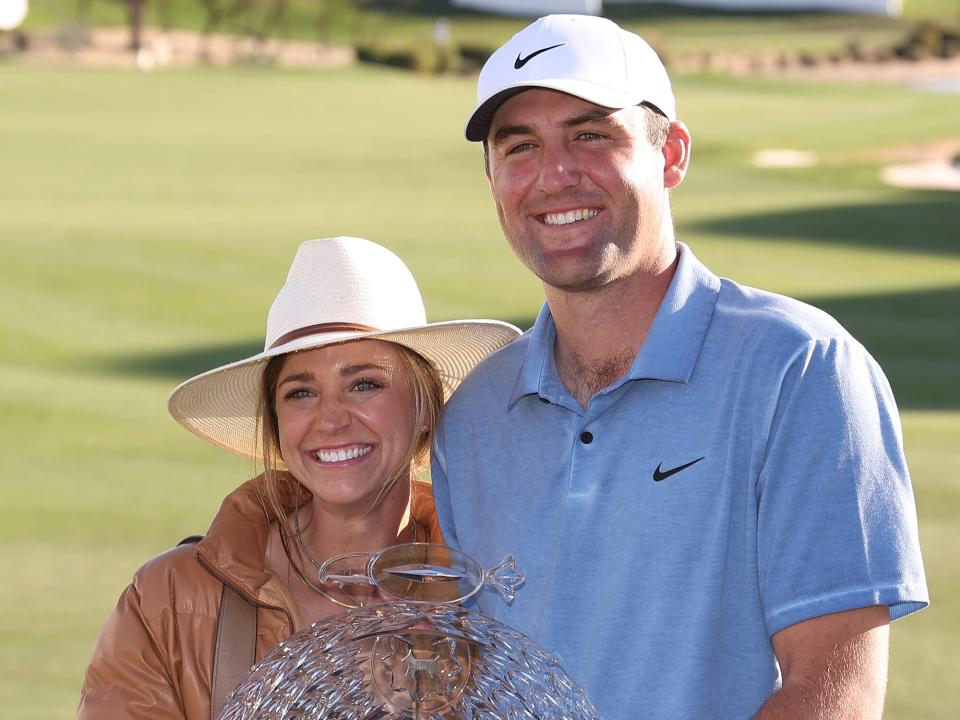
pixel 428 404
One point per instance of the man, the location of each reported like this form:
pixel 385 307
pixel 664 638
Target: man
pixel 703 483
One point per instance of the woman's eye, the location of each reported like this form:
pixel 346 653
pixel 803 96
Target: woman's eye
pixel 366 385
pixel 297 394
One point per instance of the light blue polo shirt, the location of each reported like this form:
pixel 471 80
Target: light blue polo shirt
pixel 746 474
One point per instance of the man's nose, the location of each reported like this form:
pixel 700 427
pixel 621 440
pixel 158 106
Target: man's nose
pixel 558 169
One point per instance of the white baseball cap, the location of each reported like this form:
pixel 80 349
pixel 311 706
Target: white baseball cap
pixel 589 57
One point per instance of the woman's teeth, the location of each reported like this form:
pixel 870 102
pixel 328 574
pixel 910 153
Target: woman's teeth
pixel 341 454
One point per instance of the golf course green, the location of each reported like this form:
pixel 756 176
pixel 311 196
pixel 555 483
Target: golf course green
pixel 148 219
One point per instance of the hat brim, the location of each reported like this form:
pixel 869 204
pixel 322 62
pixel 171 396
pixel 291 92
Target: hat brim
pixel 478 124
pixel 220 405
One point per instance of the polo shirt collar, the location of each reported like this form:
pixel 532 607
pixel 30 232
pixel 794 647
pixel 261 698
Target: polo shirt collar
pixel 669 352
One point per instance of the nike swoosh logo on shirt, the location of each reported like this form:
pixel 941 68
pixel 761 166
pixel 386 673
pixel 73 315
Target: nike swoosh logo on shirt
pixel 520 62
pixel 659 474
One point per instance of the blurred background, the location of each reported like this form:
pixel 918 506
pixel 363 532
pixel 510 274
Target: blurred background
pixel 160 161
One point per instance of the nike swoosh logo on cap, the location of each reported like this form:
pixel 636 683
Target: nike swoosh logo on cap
pixel 520 62
pixel 659 475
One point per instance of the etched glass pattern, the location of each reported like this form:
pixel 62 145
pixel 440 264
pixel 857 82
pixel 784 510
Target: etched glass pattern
pixel 408 660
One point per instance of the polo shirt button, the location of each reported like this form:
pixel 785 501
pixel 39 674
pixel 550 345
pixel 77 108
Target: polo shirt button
pixel 586 437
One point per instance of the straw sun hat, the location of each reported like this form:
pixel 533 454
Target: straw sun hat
pixel 338 289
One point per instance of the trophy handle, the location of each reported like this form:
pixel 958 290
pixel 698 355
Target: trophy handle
pixel 505 578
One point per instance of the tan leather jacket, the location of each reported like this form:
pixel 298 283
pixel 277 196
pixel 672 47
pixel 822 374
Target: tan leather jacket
pixel 154 656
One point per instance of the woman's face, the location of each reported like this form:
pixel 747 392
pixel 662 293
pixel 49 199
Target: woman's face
pixel 347 419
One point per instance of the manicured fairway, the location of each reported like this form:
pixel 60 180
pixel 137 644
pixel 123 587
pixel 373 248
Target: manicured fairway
pixel 147 220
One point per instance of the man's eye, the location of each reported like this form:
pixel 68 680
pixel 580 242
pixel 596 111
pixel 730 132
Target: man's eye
pixel 590 136
pixel 519 148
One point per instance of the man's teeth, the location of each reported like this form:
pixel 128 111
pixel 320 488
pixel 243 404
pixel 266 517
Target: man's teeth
pixel 569 216
pixel 342 454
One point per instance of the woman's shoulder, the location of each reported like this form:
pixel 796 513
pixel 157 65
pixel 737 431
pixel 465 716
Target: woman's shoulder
pixel 175 580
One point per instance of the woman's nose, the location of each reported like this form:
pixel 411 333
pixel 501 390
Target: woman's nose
pixel 332 415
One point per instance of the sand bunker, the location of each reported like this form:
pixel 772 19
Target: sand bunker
pixel 932 166
pixel 927 166
pixel 927 175
pixel 784 158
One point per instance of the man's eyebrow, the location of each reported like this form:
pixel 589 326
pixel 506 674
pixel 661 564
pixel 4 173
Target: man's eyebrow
pixel 593 115
pixel 600 115
pixel 510 130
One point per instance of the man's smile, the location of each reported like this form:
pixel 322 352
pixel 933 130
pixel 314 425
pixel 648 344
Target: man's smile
pixel 570 216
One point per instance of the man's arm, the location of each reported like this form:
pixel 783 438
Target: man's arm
pixel 833 666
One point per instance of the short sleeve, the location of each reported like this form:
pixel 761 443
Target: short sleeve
pixel 837 525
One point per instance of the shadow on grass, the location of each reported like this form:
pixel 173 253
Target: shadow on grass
pixel 180 364
pixel 913 335
pixel 928 224
pixel 183 364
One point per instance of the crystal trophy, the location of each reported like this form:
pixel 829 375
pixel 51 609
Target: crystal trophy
pixel 417 655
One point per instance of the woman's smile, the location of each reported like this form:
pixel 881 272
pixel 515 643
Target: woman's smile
pixel 340 455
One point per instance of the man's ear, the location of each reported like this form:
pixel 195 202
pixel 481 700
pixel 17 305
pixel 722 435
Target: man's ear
pixel 676 155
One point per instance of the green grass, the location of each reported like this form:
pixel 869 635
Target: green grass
pixel 149 219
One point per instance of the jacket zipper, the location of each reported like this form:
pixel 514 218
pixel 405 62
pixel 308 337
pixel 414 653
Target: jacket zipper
pixel 233 586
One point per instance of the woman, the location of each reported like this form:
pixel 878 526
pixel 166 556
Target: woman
pixel 340 408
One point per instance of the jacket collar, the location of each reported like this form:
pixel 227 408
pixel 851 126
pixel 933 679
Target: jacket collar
pixel 234 548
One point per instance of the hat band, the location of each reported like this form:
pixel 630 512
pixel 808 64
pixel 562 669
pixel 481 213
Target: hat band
pixel 319 330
